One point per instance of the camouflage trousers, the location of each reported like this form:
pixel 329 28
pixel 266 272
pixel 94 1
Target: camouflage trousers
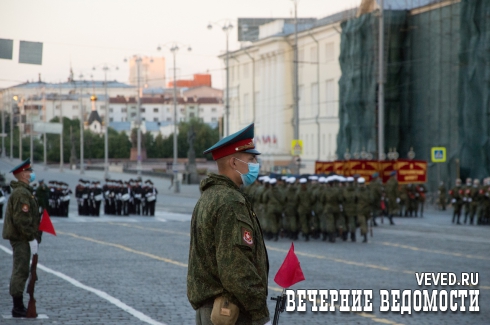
pixel 290 219
pixel 274 220
pixel 20 268
pixel 362 220
pixel 335 221
pixel 203 317
pixel 351 222
pixel 304 220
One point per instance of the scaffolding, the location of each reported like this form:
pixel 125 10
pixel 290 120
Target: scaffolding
pixel 437 76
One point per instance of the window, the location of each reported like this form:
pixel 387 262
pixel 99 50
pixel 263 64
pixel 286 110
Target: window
pixel 169 119
pixel 57 106
pixel 111 119
pixel 133 107
pixel 191 107
pixel 155 110
pixel 182 110
pixel 84 106
pixel 75 106
pixel 182 119
pixel 329 97
pixel 313 54
pixel 133 114
pixel 213 110
pixel 142 109
pixel 155 119
pixel 214 119
pixel 314 99
pixel 201 109
pixel 102 106
pixel 143 119
pixel 329 52
pixel 246 108
pixel 191 115
pixel 124 110
pixel 75 117
pixel 168 109
pixel 245 70
pixel 111 110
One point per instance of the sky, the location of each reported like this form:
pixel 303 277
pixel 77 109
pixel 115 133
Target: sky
pixel 84 34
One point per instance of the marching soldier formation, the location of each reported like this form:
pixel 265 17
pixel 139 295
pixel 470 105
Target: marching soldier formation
pixel 321 207
pixel 471 200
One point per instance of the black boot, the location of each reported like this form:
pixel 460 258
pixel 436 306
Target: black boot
pixel 345 235
pixel 307 237
pixel 365 238
pixel 353 236
pixel 459 216
pixel 331 237
pixel 324 236
pixel 374 222
pixel 19 309
pixel 276 237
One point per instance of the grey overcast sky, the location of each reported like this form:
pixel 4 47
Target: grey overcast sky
pixel 87 33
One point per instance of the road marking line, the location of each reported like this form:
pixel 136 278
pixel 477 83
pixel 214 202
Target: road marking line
pixel 434 251
pixel 151 229
pixel 163 259
pixel 118 303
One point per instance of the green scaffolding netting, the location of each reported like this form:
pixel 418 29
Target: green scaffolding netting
pixel 437 86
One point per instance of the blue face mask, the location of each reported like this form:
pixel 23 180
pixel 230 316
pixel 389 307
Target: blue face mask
pixel 33 177
pixel 253 171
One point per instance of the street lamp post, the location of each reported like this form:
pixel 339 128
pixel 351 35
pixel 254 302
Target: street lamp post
pixel 82 167
pixel 106 68
pixel 226 27
pixel 174 49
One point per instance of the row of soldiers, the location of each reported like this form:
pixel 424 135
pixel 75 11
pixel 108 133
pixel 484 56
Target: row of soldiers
pixel 120 198
pixel 55 197
pixel 326 207
pixel 473 199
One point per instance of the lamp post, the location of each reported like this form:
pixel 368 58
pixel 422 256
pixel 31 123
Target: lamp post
pixel 106 68
pixel 174 48
pixel 3 125
pixel 226 27
pixel 82 167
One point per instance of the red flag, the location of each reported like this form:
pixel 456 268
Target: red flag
pixel 46 225
pixel 290 271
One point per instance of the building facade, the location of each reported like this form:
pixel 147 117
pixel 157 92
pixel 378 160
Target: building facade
pixel 262 90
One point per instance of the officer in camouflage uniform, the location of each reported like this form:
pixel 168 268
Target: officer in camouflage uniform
pixel 442 196
pixel 304 208
pixel 364 203
pixel 473 199
pixel 376 188
pixel 21 228
pixel 350 206
pixel 228 264
pixel 467 198
pixel 457 194
pixel 333 209
pixel 274 201
pixel 393 197
pixel 291 209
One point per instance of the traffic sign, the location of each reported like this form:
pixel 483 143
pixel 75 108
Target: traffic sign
pixel 296 147
pixel 438 154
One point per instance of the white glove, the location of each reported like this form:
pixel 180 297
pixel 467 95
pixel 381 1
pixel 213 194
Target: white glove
pixel 397 200
pixel 464 199
pixel 470 199
pixel 453 200
pixel 34 245
pixel 268 323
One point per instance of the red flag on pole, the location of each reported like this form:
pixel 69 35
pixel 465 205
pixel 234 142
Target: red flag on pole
pixel 46 225
pixel 290 271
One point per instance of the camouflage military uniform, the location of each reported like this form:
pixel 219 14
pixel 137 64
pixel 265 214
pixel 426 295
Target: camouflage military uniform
pixel 304 210
pixel 335 218
pixel 227 255
pixel 364 204
pixel 274 201
pixel 442 196
pixel 42 196
pixel 291 211
pixel 350 209
pixel 21 226
pixel 456 194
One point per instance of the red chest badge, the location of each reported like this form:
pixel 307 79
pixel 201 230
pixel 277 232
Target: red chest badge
pixel 247 237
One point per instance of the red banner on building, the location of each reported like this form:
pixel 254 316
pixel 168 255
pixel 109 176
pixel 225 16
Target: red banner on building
pixel 411 171
pixel 385 169
pixel 408 171
pixel 363 168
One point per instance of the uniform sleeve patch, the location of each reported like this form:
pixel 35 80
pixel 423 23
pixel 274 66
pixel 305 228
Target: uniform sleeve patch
pixel 25 208
pixel 247 236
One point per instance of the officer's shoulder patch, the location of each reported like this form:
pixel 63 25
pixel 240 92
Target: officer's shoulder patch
pixel 247 236
pixel 25 208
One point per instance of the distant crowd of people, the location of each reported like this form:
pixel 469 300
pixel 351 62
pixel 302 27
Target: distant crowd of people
pixel 472 200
